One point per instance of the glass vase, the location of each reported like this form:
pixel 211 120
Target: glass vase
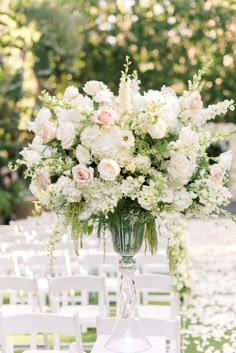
pixel 127 334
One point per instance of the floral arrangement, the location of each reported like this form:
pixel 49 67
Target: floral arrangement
pixel 95 154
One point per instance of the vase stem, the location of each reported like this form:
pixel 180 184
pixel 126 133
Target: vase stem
pixel 127 307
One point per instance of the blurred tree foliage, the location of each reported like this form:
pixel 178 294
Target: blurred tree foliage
pixel 54 43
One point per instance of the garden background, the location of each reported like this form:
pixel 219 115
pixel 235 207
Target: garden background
pixel 52 44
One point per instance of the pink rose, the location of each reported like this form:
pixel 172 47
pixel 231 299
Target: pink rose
pixel 48 131
pixel 81 174
pixel 105 116
pixel 194 102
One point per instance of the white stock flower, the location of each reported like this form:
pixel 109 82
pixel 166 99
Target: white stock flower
pixel 93 87
pixel 82 175
pixel 217 171
pixel 82 154
pixel 142 162
pixel 40 182
pixel 158 130
pixel 182 199
pixel 194 102
pixel 30 157
pixel 68 189
pixel 188 136
pixel 225 159
pixel 66 134
pixel 70 93
pixel 181 168
pixel 147 198
pixel 108 169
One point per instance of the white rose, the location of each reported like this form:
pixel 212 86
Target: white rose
pixel 66 134
pixel 89 135
pixel 44 115
pixel 188 136
pixel 225 160
pixel 181 168
pixel 70 93
pixel 104 96
pixel 48 131
pixel 82 175
pixel 158 130
pixel 108 169
pixel 93 87
pixel 82 154
pixel 30 157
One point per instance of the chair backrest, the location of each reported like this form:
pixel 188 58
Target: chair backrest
pixel 153 282
pixel 170 329
pixel 21 290
pixel 40 323
pixel 8 265
pixel 64 288
pixel 40 265
pixel 99 263
pixel 152 263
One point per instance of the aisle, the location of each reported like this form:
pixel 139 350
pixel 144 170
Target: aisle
pixel 211 319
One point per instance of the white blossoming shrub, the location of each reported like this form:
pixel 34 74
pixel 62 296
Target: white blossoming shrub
pixel 94 153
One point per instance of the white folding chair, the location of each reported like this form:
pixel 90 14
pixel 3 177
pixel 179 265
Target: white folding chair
pixel 9 266
pixel 156 287
pixel 152 263
pixel 170 329
pixel 102 264
pixel 63 291
pixel 23 295
pixel 40 323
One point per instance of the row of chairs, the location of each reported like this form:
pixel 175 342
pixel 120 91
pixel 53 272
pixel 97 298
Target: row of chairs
pixel 57 325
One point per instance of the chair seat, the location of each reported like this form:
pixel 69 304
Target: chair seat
pixel 155 311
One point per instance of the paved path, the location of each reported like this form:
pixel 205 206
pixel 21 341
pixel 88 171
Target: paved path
pixel 211 315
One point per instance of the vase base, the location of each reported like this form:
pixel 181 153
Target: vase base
pixel 127 337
